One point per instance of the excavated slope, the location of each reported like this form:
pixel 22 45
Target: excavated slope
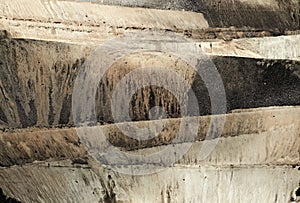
pixel 254 45
pixel 224 13
pixel 37 80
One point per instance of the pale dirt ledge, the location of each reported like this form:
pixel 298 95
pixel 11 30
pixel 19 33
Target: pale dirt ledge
pixel 263 136
pixel 253 13
pixel 84 34
pixel 64 182
pixel 56 20
pixel 83 22
pixel 99 15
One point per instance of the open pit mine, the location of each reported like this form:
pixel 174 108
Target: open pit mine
pixel 129 101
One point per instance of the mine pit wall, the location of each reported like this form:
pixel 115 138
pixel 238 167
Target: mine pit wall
pixel 257 158
pixel 252 151
pixel 253 13
pixel 64 182
pixel 91 21
pixel 255 140
pixel 252 155
pixel 37 80
pixel 281 47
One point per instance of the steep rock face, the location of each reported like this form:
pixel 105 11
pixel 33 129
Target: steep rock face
pixel 253 156
pixel 224 13
pixel 248 137
pixel 281 47
pixel 44 158
pixel 248 83
pixel 37 80
pixel 23 146
pixel 268 14
pixel 64 182
pixel 82 21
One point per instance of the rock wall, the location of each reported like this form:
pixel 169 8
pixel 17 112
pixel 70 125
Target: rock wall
pixel 45 157
pixel 63 182
pixel 260 160
pixel 268 14
pixel 82 21
pixel 37 80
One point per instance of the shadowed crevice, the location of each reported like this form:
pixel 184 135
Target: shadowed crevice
pixel 6 199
